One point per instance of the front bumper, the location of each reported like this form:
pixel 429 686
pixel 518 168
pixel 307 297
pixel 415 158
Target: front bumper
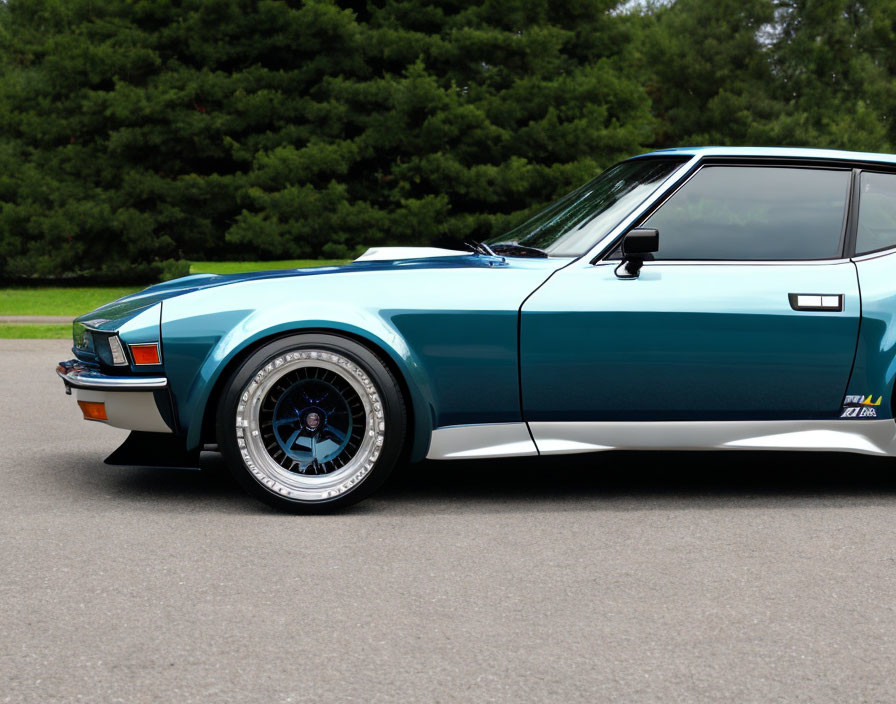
pixel 131 402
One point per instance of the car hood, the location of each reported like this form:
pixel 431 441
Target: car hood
pixel 112 315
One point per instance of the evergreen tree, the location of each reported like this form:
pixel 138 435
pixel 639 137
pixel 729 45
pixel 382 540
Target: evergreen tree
pixel 136 133
pixel 834 74
pixel 457 121
pixel 775 72
pixel 710 71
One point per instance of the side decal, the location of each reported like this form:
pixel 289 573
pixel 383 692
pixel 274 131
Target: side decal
pixel 860 406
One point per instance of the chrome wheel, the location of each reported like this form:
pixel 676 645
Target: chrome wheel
pixel 310 424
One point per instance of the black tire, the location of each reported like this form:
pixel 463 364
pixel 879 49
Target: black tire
pixel 264 376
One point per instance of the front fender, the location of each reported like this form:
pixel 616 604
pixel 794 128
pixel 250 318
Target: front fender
pixel 199 348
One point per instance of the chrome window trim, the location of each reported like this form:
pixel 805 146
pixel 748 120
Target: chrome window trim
pixel 870 255
pixel 673 180
pixel 733 262
pixel 600 252
pixel 877 254
pixel 858 206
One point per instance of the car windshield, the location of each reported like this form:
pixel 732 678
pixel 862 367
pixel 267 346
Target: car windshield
pixel 572 225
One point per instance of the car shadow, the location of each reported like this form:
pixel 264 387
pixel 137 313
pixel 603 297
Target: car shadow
pixel 602 481
pixel 645 480
pixel 210 488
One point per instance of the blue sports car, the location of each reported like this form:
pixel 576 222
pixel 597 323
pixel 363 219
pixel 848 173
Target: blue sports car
pixel 710 298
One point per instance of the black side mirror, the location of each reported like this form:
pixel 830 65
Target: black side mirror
pixel 635 245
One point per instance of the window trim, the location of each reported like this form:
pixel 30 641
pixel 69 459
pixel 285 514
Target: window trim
pixel 599 249
pixel 684 164
pixel 848 227
pixel 873 255
pixel 852 251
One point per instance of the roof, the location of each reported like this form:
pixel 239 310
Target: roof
pixel 777 153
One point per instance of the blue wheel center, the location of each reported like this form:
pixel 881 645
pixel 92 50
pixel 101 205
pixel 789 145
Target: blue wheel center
pixel 312 422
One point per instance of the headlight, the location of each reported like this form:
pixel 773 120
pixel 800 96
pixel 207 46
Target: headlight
pixel 80 337
pixel 118 358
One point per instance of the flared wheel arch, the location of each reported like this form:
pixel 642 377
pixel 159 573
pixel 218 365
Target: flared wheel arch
pixel 207 435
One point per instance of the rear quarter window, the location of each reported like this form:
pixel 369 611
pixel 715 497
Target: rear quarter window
pixel 877 212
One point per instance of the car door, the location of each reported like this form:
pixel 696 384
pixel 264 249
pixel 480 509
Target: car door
pixel 874 372
pixel 748 310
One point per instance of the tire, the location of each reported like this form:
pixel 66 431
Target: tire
pixel 311 423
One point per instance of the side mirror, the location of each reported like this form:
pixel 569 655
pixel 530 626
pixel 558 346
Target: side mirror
pixel 635 245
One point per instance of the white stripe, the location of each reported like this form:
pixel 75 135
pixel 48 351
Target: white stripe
pixel 476 441
pixel 871 437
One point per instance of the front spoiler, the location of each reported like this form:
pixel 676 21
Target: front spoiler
pixel 154 450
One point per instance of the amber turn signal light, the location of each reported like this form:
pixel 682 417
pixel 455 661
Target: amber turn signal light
pixel 93 410
pixel 146 354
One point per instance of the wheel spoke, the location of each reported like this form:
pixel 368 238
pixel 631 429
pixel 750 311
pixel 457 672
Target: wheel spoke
pixel 340 436
pixel 319 405
pixel 292 439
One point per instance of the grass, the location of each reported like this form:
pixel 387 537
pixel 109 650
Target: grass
pixel 57 301
pixel 240 267
pixel 35 332
pixel 75 301
pixel 25 300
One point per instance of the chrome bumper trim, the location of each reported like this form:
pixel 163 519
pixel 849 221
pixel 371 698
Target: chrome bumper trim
pixel 81 377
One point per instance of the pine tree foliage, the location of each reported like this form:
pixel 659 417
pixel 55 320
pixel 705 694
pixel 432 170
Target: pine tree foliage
pixel 140 132
pixel 818 73
pixel 136 134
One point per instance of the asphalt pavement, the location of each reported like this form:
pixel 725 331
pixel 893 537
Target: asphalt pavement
pixel 625 577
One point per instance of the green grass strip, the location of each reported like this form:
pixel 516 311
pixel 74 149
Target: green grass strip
pixel 57 301
pixel 29 300
pixel 35 332
pixel 242 267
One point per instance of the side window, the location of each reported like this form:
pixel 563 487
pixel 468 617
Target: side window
pixel 754 213
pixel 877 212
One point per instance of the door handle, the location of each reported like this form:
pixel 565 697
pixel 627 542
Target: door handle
pixel 816 301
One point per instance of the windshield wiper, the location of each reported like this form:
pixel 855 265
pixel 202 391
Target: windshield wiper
pixel 481 248
pixel 512 249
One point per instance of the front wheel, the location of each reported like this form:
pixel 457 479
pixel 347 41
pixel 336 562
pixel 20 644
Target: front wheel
pixel 311 422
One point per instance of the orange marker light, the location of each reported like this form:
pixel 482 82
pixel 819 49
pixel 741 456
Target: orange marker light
pixel 93 410
pixel 146 354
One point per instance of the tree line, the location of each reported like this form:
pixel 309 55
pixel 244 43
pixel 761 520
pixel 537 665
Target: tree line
pixel 138 134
